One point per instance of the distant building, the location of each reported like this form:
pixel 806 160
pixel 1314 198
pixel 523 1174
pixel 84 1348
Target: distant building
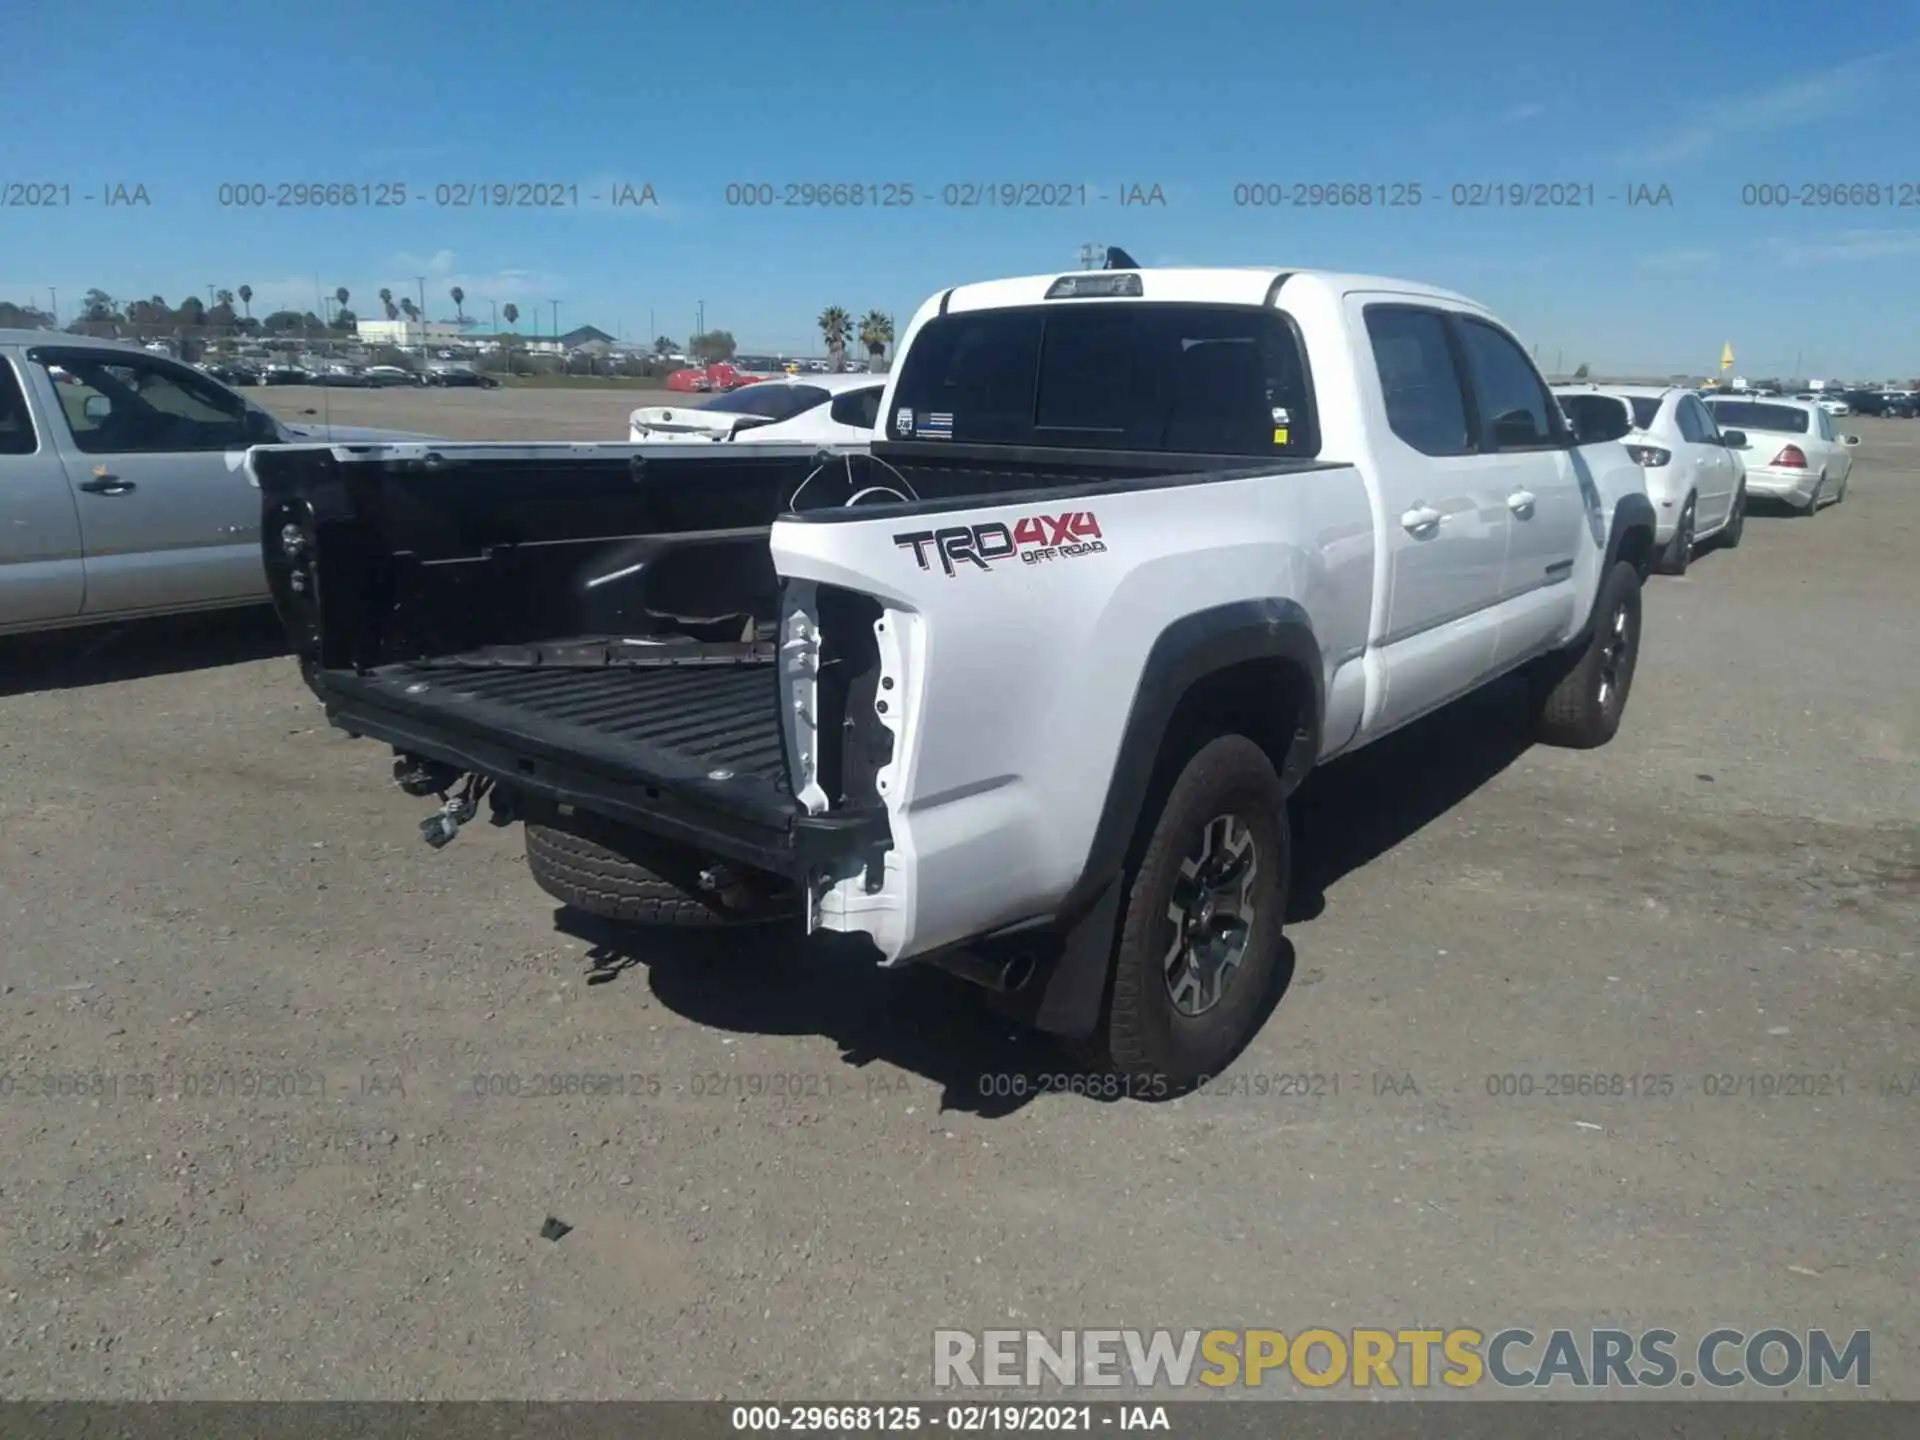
pixel 405 333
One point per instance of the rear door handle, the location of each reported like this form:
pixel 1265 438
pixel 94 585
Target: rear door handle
pixel 1521 503
pixel 104 484
pixel 1421 517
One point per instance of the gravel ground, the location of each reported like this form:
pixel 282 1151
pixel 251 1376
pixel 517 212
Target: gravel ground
pixel 507 413
pixel 259 1042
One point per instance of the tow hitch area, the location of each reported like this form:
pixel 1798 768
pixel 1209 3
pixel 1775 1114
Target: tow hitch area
pixel 432 777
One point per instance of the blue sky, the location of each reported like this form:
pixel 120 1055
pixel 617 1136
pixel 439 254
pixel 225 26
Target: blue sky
pixel 1194 98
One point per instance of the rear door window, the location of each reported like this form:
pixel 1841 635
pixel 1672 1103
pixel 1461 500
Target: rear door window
pixel 1694 425
pixel 1195 379
pixel 1426 405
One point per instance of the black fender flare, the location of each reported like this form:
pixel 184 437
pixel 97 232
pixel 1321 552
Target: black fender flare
pixel 1186 652
pixel 1630 513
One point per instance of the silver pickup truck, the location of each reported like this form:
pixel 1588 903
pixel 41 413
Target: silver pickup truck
pixel 123 487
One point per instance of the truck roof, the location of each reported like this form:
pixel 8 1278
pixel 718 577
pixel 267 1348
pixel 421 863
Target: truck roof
pixel 1243 285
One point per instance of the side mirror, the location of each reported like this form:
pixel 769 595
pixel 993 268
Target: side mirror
pixel 261 428
pixel 1851 439
pixel 97 408
pixel 1734 439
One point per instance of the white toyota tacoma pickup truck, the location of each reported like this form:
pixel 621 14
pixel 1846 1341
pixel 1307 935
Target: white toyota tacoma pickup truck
pixel 1022 688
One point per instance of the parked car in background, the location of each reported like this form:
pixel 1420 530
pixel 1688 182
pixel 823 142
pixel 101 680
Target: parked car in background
pixel 343 376
pixel 1869 402
pixel 828 409
pixel 1827 401
pixel 1793 452
pixel 460 377
pixel 1695 474
pixel 391 375
pixel 123 484
pixel 286 375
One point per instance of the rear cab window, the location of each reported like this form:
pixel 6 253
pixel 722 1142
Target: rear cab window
pixel 1111 375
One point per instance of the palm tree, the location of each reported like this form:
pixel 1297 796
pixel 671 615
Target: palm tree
pixel 459 298
pixel 246 298
pixel 340 297
pixel 837 326
pixel 409 309
pixel 512 313
pixel 876 333
pixel 386 303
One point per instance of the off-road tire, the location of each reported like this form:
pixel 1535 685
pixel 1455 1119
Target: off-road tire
pixel 1678 554
pixel 601 870
pixel 1144 1036
pixel 1730 532
pixel 1572 709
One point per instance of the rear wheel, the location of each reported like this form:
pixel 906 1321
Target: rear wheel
pixel 1737 522
pixel 1201 935
pixel 1580 699
pixel 1819 494
pixel 1678 555
pixel 603 870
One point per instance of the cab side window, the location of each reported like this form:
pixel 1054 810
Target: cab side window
pixel 1515 412
pixel 116 406
pixel 859 408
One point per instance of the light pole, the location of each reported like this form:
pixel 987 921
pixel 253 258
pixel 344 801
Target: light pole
pixel 421 282
pixel 53 299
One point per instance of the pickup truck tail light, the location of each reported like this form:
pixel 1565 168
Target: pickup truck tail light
pixel 1650 457
pixel 1791 458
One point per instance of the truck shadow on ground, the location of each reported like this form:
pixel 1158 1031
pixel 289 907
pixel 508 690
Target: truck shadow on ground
pixel 137 650
pixel 923 1021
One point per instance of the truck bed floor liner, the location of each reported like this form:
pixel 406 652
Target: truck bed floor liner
pixel 711 729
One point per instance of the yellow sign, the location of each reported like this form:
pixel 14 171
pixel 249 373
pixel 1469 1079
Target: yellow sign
pixel 1279 437
pixel 1726 357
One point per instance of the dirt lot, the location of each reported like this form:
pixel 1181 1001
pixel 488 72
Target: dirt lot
pixel 261 1044
pixel 502 414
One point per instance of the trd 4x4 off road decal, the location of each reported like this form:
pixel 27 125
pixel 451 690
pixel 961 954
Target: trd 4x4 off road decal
pixel 1033 538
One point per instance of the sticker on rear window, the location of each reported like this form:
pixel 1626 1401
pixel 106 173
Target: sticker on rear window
pixel 903 423
pixel 937 426
pixel 1282 417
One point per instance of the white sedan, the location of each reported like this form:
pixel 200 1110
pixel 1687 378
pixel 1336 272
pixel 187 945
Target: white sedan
pixel 792 410
pixel 1793 452
pixel 1695 475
